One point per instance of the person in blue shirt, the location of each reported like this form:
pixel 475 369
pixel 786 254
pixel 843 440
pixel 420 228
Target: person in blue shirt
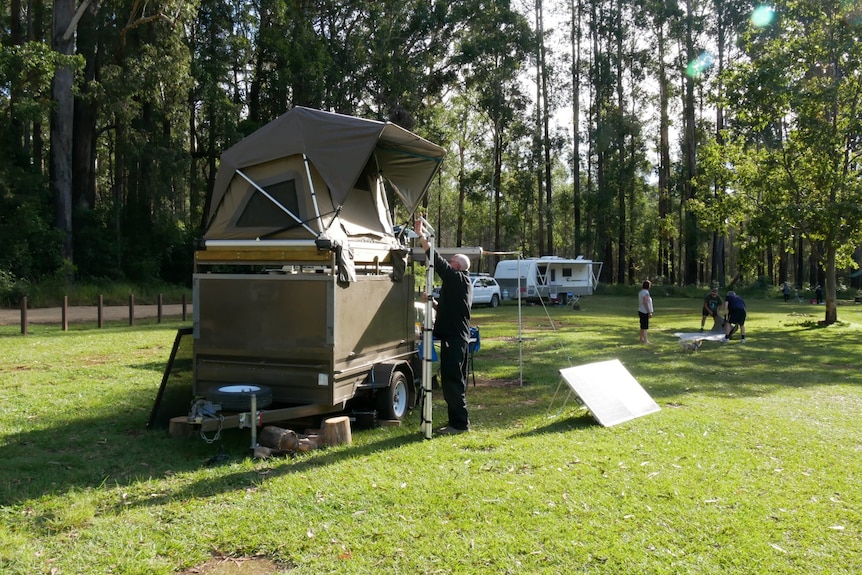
pixel 735 315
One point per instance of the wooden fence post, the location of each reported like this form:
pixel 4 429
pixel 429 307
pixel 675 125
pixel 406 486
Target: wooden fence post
pixel 24 315
pixel 159 312
pixel 65 313
pixel 101 315
pixel 131 309
pixel 184 307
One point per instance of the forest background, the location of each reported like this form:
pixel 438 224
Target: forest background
pixel 692 143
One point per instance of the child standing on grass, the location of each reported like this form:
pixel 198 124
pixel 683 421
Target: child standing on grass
pixel 644 309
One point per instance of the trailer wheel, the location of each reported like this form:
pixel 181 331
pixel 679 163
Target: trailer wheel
pixel 237 397
pixel 393 402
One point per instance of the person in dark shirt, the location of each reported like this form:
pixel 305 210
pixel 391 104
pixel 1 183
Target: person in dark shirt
pixel 452 328
pixel 735 315
pixel 711 304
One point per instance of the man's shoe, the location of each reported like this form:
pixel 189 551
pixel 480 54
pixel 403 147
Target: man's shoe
pixel 451 431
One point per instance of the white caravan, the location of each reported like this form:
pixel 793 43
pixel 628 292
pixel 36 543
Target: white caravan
pixel 550 278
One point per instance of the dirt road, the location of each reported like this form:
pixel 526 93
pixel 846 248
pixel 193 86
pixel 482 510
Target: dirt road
pixel 90 313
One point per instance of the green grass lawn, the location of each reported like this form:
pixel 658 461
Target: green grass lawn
pixel 753 464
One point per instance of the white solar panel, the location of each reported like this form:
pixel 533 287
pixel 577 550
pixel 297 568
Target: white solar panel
pixel 609 391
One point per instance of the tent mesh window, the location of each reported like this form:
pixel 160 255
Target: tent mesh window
pixel 260 212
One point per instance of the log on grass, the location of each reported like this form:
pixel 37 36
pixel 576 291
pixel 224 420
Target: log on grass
pixel 307 444
pixel 278 438
pixel 336 431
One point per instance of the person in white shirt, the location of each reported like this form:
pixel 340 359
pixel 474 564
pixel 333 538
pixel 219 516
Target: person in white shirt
pixel 645 309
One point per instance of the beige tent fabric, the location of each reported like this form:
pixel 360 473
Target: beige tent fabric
pixel 339 148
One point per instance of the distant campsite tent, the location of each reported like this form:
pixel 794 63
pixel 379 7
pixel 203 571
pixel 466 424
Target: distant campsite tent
pixel 310 174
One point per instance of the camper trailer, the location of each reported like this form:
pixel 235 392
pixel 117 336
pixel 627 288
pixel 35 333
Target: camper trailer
pixel 548 278
pixel 301 300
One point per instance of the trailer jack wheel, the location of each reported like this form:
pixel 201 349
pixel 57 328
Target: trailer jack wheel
pixel 393 402
pixel 237 397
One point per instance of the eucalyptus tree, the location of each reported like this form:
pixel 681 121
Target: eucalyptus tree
pixel 576 37
pixel 697 63
pixel 545 105
pixel 62 42
pixel 602 82
pixel 721 24
pixel 491 50
pixel 220 48
pixel 409 44
pixel 796 98
pixel 31 247
pixel 662 16
pixel 129 131
pixel 617 72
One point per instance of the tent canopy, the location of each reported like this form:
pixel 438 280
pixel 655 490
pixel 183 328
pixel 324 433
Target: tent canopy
pixel 323 164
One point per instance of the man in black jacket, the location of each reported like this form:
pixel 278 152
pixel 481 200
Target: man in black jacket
pixel 452 328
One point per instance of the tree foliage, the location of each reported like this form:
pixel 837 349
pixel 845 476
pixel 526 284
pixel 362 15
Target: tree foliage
pixel 699 146
pixel 797 99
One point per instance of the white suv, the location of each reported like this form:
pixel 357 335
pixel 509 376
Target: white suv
pixel 486 290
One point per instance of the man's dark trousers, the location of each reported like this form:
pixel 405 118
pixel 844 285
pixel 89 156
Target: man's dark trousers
pixel 453 373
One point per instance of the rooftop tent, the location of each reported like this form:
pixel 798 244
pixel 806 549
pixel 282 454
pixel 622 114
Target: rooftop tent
pixel 262 186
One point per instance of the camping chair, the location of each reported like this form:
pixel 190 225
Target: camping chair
pixel 473 345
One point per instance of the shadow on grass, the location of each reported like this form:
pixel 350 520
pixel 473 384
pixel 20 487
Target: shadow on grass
pixel 251 478
pixel 115 450
pixel 561 424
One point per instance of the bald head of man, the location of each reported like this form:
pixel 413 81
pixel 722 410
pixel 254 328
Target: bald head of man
pixel 460 262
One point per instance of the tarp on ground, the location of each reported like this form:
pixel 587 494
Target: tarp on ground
pixel 262 187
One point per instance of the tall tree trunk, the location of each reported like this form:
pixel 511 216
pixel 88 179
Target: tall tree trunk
pixel 16 38
pixel 498 170
pixel 665 248
pixel 620 135
pixel 718 237
pixel 546 138
pixel 690 236
pixel 462 192
pixel 800 262
pixel 85 117
pixel 61 126
pixel 576 120
pixel 537 130
pixel 36 33
pixel 831 285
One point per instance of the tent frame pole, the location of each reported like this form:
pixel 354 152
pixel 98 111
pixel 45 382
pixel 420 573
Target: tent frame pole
pixel 274 201
pixel 313 193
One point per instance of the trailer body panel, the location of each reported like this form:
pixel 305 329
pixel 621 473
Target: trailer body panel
pixel 303 335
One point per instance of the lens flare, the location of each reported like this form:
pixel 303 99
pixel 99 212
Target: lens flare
pixel 762 16
pixel 699 65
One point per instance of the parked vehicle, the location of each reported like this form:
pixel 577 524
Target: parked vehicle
pixel 486 290
pixel 550 278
